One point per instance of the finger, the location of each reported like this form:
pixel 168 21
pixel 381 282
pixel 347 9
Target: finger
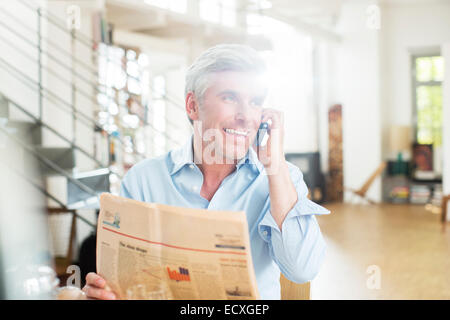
pixel 85 290
pixel 266 113
pixel 95 280
pixel 96 293
pixel 272 115
pixel 268 119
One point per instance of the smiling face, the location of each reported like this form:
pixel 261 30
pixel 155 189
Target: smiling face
pixel 231 110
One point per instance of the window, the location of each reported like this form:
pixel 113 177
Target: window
pixel 123 94
pixel 159 115
pixel 218 11
pixel 428 74
pixel 179 6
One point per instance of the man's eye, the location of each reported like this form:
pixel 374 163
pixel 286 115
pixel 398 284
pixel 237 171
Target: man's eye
pixel 229 98
pixel 256 103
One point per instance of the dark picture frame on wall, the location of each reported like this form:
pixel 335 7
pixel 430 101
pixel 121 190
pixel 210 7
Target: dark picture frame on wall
pixel 423 157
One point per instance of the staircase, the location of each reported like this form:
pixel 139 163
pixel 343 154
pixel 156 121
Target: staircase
pixel 22 127
pixel 53 161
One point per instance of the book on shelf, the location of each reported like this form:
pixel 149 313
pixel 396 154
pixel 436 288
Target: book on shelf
pixel 399 194
pixel 419 194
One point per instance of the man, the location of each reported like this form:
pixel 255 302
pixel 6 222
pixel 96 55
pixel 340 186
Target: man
pixel 220 168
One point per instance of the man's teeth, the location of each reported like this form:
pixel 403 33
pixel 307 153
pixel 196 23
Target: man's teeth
pixel 237 132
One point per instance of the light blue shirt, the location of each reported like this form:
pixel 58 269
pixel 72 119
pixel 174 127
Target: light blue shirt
pixel 298 251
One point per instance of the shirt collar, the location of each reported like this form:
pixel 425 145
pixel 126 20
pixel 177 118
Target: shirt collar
pixel 251 158
pixel 182 156
pixel 185 155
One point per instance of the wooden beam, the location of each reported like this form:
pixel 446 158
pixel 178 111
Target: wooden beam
pixel 56 210
pixel 313 30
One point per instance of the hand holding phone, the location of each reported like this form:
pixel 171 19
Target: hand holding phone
pixel 263 135
pixel 269 140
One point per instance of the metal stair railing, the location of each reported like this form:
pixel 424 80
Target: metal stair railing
pixel 84 39
pixel 41 123
pixel 83 118
pixel 55 167
pixel 56 21
pixel 49 195
pixel 95 85
pixel 51 43
pixel 48 162
pixel 59 103
pixel 86 119
pixel 50 95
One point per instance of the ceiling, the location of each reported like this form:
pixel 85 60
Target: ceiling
pixel 323 13
pixel 135 15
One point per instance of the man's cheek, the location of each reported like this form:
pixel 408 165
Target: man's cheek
pixel 225 112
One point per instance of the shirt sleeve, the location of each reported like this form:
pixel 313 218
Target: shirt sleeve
pixel 124 192
pixel 130 186
pixel 299 249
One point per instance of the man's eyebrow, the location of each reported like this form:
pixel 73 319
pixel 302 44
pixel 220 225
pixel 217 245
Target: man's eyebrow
pixel 235 93
pixel 228 92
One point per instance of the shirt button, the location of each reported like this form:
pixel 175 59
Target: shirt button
pixel 265 233
pixel 191 166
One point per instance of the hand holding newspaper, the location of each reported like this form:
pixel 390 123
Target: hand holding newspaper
pixel 154 251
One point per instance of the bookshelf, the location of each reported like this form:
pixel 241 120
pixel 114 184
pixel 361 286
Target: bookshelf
pixel 399 186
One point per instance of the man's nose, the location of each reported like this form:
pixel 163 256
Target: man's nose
pixel 244 111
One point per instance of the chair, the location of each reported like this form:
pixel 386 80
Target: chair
pixel 445 199
pixel 294 291
pixel 61 263
pixel 361 192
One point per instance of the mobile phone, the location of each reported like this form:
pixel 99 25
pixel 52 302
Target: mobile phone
pixel 263 135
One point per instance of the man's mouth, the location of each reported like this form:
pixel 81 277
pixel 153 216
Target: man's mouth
pixel 240 133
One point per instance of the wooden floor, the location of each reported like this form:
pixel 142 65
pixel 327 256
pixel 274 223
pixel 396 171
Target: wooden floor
pixel 406 242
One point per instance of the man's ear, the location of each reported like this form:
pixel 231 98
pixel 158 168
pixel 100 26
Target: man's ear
pixel 192 106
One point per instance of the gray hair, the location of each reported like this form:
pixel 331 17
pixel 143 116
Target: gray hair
pixel 222 57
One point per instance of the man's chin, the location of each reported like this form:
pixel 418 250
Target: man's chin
pixel 236 154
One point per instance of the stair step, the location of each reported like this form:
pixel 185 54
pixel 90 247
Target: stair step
pixel 64 158
pixel 4 108
pixel 97 180
pixel 28 132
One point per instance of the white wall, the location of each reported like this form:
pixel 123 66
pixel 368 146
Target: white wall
pixel 407 27
pixel 326 95
pixel 446 129
pixel 292 92
pixel 357 88
pixel 290 66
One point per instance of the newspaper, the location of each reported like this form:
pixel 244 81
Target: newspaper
pixel 155 251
